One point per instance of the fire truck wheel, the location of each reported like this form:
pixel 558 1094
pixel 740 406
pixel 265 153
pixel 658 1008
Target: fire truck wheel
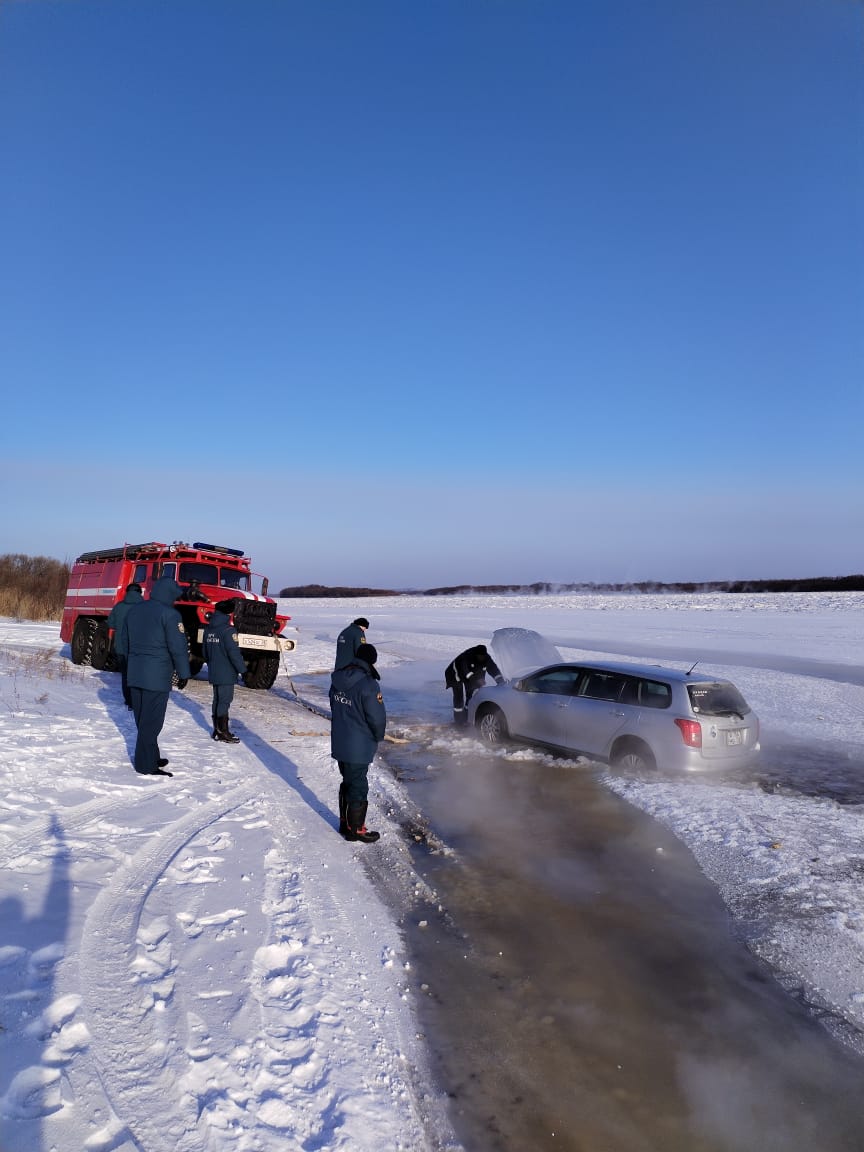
pixel 100 649
pixel 82 639
pixel 262 672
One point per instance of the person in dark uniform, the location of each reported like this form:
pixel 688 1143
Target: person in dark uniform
pixel 464 675
pixel 115 620
pixel 358 721
pixel 224 664
pixel 349 640
pixel 153 640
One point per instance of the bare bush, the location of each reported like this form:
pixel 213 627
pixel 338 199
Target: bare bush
pixel 32 587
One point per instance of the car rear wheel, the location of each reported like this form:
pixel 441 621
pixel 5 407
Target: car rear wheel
pixel 634 757
pixel 492 726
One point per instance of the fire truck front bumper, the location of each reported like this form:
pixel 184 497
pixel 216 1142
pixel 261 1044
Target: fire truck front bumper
pixel 266 643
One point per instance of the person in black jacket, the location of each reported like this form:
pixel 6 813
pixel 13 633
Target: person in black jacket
pixel 153 640
pixel 115 620
pixel 358 722
pixel 224 664
pixel 349 640
pixel 464 675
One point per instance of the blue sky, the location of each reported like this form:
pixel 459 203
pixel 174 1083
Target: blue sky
pixel 413 293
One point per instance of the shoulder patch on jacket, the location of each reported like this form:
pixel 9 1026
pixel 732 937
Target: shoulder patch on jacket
pixel 180 626
pixel 380 698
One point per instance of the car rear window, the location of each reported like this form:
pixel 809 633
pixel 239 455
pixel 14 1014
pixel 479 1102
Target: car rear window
pixel 717 699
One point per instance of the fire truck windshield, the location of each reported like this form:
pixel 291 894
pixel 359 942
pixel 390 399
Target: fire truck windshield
pixel 231 578
pixel 187 571
pixel 203 573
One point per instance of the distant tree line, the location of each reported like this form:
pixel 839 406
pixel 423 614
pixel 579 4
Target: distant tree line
pixel 321 592
pixel 544 588
pixel 32 587
pixel 809 584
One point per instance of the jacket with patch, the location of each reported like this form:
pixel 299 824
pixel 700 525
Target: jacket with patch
pixel 358 715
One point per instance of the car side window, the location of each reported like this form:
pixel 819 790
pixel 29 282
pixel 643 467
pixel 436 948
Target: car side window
pixel 653 694
pixel 630 694
pixel 602 686
pixel 556 682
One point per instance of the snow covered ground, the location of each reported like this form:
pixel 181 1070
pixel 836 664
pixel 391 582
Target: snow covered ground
pixel 202 963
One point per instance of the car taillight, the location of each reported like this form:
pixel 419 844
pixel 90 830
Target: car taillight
pixel 691 732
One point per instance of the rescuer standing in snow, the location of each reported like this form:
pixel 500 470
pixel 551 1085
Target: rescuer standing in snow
pixel 224 664
pixel 464 675
pixel 349 640
pixel 358 721
pixel 115 621
pixel 153 640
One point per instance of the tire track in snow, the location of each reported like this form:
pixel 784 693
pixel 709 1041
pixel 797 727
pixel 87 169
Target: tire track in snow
pixel 33 835
pixel 134 1075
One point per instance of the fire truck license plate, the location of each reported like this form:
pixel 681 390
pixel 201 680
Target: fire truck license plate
pixel 254 642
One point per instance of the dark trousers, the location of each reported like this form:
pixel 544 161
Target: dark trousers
pixel 355 778
pixel 122 668
pixel 149 709
pixel 223 694
pixel 463 690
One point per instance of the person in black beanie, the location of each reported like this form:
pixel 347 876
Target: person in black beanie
pixel 358 722
pixel 116 616
pixel 153 641
pixel 224 664
pixel 464 675
pixel 349 640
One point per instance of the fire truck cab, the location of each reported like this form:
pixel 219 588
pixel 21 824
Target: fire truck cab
pixel 208 574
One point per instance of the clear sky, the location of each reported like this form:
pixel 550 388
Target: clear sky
pixel 412 293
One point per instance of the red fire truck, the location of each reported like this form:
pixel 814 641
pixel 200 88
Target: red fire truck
pixel 208 574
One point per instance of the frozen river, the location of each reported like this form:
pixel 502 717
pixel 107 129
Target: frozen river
pixel 585 984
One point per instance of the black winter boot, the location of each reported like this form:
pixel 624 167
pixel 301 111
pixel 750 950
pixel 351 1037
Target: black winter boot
pixel 222 732
pixel 357 829
pixel 343 812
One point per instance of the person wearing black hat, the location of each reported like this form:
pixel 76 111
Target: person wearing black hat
pixel 116 616
pixel 224 664
pixel 153 640
pixel 464 675
pixel 348 641
pixel 358 722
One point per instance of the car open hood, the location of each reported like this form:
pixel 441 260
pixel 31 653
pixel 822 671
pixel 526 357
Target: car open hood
pixel 518 651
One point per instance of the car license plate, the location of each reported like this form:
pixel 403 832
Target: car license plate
pixel 255 641
pixel 736 737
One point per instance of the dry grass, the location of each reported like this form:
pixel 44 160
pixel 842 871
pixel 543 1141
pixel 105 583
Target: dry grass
pixel 32 587
pixel 18 668
pixel 46 663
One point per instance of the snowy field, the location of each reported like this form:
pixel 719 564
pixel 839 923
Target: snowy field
pixel 201 963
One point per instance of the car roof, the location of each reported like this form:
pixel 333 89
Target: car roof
pixel 647 671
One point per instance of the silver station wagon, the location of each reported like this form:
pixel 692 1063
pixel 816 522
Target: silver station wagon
pixel 636 717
